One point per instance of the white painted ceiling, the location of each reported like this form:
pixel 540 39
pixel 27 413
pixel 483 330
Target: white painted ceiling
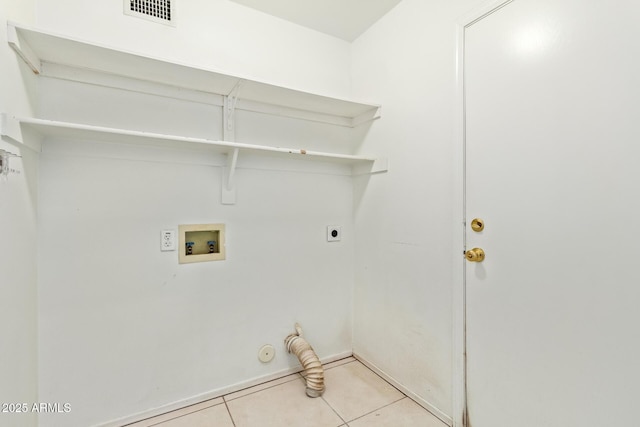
pixel 345 19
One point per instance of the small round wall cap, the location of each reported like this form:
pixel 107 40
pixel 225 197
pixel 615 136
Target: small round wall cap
pixel 266 353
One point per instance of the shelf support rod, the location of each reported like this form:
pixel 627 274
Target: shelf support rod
pixel 229 134
pixel 230 102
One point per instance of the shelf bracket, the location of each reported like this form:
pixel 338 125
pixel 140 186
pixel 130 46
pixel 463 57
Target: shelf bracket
pixel 228 178
pixel 379 165
pixel 367 117
pixel 11 129
pixel 22 49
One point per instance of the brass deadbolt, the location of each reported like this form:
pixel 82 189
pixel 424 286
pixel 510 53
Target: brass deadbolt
pixel 477 225
pixel 474 255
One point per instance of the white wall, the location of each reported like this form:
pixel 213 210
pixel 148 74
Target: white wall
pixel 18 245
pixel 159 332
pixel 403 295
pixel 214 34
pixel 123 327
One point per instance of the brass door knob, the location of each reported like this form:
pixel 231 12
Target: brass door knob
pixel 474 255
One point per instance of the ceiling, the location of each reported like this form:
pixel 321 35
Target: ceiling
pixel 345 19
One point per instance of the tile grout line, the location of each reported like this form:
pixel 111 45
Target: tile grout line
pixel 404 396
pixel 173 417
pixel 225 401
pixel 183 415
pixel 382 378
pixel 378 409
pixel 401 392
pixel 299 374
pixel 344 422
pixel 224 397
pixel 229 411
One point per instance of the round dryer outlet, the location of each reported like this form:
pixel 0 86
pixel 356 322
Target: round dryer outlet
pixel 266 353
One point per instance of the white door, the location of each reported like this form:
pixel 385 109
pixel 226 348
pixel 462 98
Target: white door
pixel 552 153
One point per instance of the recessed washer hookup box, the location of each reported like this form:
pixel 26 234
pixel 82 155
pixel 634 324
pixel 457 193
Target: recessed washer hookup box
pixel 201 243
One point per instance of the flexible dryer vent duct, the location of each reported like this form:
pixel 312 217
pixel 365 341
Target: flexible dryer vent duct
pixel 314 373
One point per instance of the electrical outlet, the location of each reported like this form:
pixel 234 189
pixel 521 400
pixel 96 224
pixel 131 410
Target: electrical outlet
pixel 334 233
pixel 168 240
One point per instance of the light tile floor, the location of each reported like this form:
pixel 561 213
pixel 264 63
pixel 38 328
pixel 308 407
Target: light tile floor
pixel 354 397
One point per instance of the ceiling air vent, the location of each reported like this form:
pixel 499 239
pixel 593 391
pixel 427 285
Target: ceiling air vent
pixel 161 11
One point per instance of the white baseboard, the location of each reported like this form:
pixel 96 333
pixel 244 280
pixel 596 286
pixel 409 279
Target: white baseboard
pixel 215 393
pixel 420 401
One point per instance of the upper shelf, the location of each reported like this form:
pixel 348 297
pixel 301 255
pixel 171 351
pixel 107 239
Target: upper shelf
pixel 38 47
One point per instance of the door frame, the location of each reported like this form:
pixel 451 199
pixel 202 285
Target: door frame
pixel 459 371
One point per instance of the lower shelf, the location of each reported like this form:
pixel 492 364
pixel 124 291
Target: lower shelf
pixel 32 132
